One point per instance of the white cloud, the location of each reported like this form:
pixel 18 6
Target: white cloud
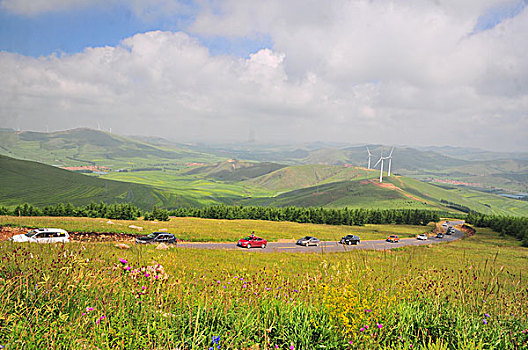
pixel 358 71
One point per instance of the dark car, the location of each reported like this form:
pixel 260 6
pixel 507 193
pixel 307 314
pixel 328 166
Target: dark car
pixel 308 240
pixel 440 235
pixel 350 239
pixel 157 237
pixel 252 241
pixel 450 230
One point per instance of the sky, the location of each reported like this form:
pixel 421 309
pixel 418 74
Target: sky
pixel 413 72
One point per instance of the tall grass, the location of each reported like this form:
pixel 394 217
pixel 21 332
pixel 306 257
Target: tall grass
pixel 463 295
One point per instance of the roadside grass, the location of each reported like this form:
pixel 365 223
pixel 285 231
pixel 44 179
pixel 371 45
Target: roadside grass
pixel 467 294
pixel 209 230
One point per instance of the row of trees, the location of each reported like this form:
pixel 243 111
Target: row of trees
pixel 505 225
pixel 123 211
pixel 312 215
pixel 127 211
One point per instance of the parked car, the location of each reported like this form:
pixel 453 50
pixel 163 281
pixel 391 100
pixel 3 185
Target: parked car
pixel 252 241
pixel 43 235
pixel 422 237
pixel 350 239
pixel 157 237
pixel 440 235
pixel 308 240
pixel 450 230
pixel 393 239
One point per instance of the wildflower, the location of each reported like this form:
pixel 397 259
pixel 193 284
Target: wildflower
pixel 525 331
pixel 147 274
pixel 350 342
pixel 379 325
pixel 100 319
pixel 128 268
pixel 143 287
pixel 123 261
pixel 292 347
pixel 361 329
pixel 485 321
pixel 88 309
pixel 486 315
pixel 215 341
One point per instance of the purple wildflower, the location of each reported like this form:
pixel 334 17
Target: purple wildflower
pixel 361 329
pixel 379 325
pixel 486 315
pixel 88 309
pixel 123 261
pixel 485 321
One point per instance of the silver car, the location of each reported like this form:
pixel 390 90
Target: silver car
pixel 308 240
pixel 43 235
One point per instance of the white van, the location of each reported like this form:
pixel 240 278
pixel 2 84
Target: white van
pixel 43 235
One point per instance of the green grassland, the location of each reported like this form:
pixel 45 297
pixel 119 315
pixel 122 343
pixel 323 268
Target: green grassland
pixel 41 185
pixel 92 147
pixel 195 190
pixel 208 230
pixel 467 294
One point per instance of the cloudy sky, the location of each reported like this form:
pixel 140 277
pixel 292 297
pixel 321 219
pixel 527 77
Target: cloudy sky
pixel 415 72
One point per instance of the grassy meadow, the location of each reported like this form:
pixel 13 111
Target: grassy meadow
pixel 467 294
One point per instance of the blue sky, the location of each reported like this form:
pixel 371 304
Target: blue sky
pixel 358 71
pixel 71 31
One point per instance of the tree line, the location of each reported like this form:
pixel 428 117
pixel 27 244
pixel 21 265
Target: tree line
pixel 504 225
pixel 319 215
pixel 125 211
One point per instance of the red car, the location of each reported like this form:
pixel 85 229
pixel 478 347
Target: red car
pixel 250 242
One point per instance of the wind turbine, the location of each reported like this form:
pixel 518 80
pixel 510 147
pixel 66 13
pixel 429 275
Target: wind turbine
pixel 381 167
pixel 390 160
pixel 369 156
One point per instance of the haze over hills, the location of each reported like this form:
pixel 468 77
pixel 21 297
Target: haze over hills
pixel 89 147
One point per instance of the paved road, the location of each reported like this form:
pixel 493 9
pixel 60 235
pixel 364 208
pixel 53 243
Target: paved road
pixel 329 246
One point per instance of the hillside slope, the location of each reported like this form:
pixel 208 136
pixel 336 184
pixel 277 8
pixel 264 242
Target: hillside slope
pixel 234 170
pixel 39 184
pixel 90 147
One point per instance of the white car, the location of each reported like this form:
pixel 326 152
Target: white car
pixel 422 237
pixel 43 235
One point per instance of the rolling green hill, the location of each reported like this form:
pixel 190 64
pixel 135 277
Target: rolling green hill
pixel 394 193
pixel 92 147
pixel 234 170
pixel 301 176
pixel 38 184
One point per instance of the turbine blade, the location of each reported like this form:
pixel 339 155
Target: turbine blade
pixel 377 162
pixel 392 150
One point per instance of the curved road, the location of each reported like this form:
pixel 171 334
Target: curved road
pixel 329 246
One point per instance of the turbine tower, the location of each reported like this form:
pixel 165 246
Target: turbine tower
pixel 381 167
pixel 369 156
pixel 390 161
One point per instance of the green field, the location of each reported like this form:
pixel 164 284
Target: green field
pixel 41 185
pixel 467 294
